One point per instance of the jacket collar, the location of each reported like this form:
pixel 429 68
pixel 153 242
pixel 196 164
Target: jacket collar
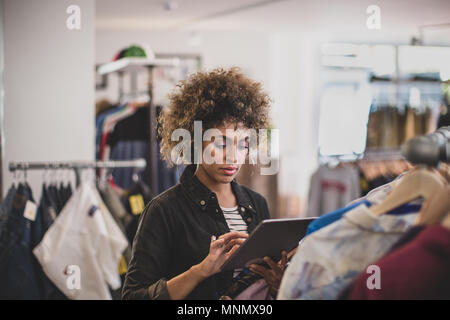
pixel 204 197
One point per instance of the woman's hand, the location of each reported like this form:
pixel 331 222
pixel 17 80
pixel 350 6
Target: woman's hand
pixel 219 252
pixel 273 275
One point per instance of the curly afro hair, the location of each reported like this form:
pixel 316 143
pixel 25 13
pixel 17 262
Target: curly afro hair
pixel 215 98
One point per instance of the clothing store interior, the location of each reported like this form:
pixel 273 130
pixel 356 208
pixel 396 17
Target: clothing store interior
pixel 348 198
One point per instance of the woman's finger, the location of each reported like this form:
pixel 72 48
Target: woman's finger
pixel 272 264
pixel 217 244
pixel 259 270
pixel 234 242
pixel 292 252
pixel 233 235
pixel 284 259
pixel 229 253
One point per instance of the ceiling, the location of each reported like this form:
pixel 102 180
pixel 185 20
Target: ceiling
pixel 316 16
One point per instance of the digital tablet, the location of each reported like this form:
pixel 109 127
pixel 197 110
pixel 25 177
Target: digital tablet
pixel 269 238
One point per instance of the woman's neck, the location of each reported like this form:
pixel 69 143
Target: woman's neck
pixel 214 186
pixel 224 192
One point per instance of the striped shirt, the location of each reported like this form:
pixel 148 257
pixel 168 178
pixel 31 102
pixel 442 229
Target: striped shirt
pixel 235 223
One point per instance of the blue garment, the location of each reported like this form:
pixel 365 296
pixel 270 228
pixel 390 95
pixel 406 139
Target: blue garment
pixel 17 275
pixel 127 150
pixel 334 216
pixel 6 206
pixel 331 217
pixel 99 126
pixel 123 177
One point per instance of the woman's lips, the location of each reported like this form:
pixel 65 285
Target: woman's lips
pixel 229 171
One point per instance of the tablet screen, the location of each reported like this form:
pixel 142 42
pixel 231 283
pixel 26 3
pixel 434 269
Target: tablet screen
pixel 269 238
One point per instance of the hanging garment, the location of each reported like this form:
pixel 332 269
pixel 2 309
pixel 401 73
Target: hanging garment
pixel 129 150
pixel 334 216
pixel 17 276
pixel 80 252
pixel 331 217
pixel 417 270
pixel 375 117
pixel 123 219
pixel 241 283
pixel 46 215
pixel 108 127
pixel 410 123
pixel 135 200
pixel 99 121
pixel 259 290
pixel 380 193
pixel 389 132
pixel 331 189
pixel 375 196
pixel 6 206
pixel 65 192
pixel 328 260
pixel 130 140
pixel 118 211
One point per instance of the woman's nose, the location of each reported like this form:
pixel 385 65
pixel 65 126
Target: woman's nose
pixel 231 154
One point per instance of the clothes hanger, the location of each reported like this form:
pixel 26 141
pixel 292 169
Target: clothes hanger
pixel 444 170
pixel 435 208
pixel 419 182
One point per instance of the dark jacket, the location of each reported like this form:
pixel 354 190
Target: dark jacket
pixel 175 232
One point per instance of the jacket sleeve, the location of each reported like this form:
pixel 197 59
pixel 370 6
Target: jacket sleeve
pixel 266 211
pixel 150 259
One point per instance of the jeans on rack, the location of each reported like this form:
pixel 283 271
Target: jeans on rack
pixel 6 206
pixel 17 275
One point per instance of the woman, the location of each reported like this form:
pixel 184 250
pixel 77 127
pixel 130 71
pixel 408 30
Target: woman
pixel 186 233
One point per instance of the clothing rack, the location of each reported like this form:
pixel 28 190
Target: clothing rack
pixel 429 149
pixel 133 66
pixel 77 166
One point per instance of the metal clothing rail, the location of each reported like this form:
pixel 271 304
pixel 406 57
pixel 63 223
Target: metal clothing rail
pixel 374 155
pixel 75 165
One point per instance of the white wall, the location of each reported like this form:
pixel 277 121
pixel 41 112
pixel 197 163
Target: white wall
pixel 1 94
pixel 49 84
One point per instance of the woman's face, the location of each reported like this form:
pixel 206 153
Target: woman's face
pixel 224 155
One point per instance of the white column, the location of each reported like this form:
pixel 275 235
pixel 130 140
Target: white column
pixel 49 79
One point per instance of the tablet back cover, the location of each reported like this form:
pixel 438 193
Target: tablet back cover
pixel 269 239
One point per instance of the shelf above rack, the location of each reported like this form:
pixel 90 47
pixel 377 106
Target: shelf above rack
pixel 130 64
